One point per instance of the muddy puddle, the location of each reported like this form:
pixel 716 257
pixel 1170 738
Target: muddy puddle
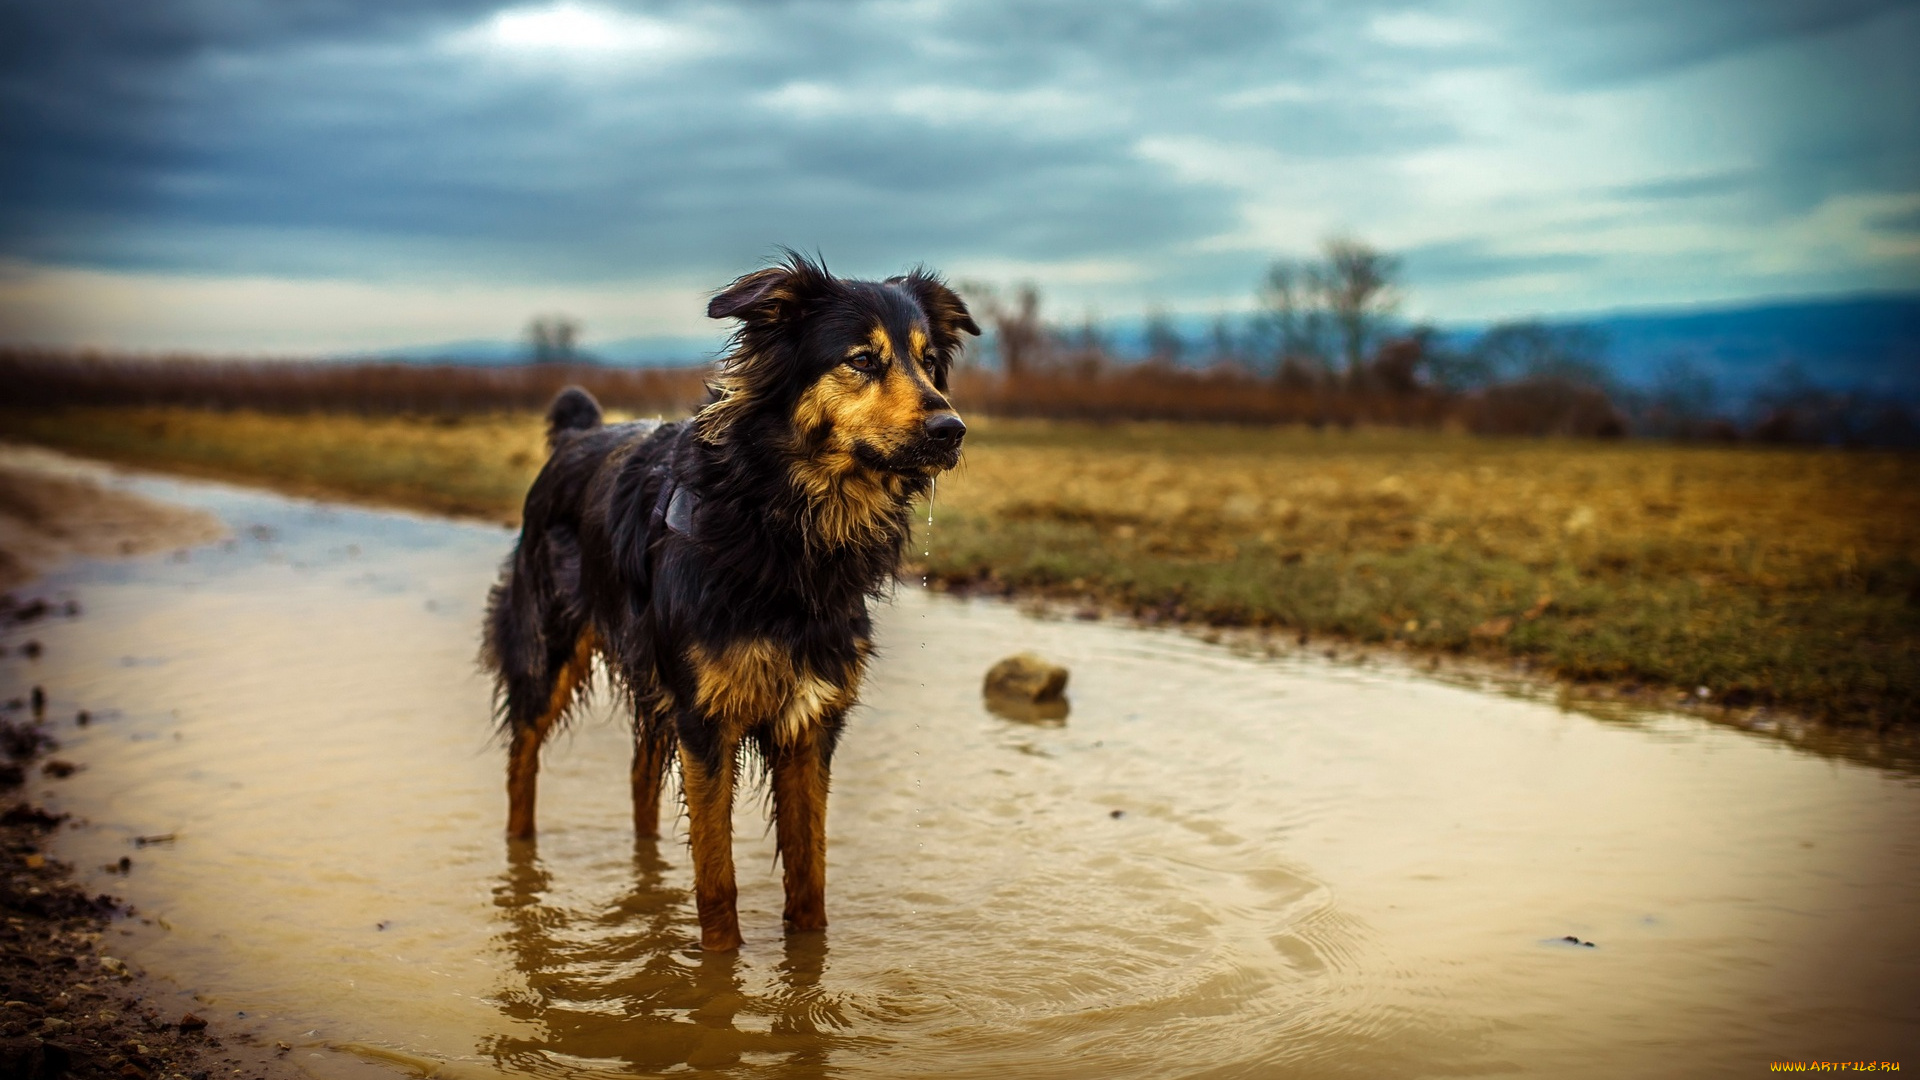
pixel 1219 865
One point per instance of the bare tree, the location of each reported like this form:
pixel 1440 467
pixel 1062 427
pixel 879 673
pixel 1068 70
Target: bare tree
pixel 1316 314
pixel 1084 350
pixel 1292 319
pixel 1531 349
pixel 1223 345
pixel 1019 335
pixel 554 339
pixel 1357 282
pixel 1165 346
pixel 1680 403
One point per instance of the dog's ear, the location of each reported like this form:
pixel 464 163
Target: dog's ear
pixel 944 308
pixel 748 292
pixel 764 353
pixel 770 294
pixel 947 317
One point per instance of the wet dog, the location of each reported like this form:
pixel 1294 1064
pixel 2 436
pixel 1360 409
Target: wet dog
pixel 722 565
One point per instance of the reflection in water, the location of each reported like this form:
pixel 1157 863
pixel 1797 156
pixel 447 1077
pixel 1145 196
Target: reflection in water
pixel 1219 865
pixel 1009 707
pixel 621 987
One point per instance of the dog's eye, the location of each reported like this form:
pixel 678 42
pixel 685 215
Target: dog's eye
pixel 866 363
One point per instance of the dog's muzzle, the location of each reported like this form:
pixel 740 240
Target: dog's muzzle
pixel 946 429
pixel 943 432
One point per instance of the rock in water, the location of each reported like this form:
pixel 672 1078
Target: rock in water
pixel 1027 676
pixel 1027 687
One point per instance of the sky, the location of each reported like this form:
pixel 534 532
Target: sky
pixel 311 176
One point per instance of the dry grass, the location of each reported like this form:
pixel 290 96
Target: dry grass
pixel 476 466
pixel 1768 575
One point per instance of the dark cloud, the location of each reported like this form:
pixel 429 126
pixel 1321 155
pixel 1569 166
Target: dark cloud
pixel 317 122
pixel 1903 221
pixel 1475 261
pixel 353 137
pixel 1598 42
pixel 1685 187
pixel 1029 39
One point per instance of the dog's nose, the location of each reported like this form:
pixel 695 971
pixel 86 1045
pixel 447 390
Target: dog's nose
pixel 946 428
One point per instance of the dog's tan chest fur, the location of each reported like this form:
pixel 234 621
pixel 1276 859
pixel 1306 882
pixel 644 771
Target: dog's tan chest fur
pixel 755 682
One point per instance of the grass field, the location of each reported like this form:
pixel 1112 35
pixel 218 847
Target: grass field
pixel 1768 575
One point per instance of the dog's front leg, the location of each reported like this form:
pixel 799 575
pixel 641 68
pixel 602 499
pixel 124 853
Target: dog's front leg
pixel 710 834
pixel 523 780
pixel 800 819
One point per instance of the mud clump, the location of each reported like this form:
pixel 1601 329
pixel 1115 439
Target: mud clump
pixel 22 742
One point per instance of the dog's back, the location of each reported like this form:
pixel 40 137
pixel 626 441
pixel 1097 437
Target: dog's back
pixel 539 610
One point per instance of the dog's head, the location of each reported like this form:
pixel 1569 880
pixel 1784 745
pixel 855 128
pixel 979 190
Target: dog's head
pixel 856 371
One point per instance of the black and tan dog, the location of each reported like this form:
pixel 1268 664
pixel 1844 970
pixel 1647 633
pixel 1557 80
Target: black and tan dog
pixel 722 565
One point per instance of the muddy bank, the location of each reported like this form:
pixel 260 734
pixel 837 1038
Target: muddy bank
pixel 53 508
pixel 68 1007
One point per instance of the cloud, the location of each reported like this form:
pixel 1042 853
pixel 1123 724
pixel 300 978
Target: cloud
pixel 1607 42
pixel 1428 30
pixel 1475 261
pixel 1899 219
pixel 1684 187
pixel 571 31
pixel 1565 156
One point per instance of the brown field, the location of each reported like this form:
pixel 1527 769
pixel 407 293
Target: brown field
pixel 1770 576
pixel 1094 388
pixel 57 379
pixel 1108 392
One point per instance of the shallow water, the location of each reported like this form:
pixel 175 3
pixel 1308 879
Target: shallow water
pixel 1220 865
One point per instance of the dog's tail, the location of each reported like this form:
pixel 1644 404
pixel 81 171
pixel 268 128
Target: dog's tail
pixel 573 409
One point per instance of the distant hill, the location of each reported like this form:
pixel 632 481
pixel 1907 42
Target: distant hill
pixel 1866 344
pixel 1862 344
pixel 625 352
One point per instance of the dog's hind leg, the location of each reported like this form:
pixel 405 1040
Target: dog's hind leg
pixel 800 820
pixel 709 792
pixel 523 750
pixel 652 747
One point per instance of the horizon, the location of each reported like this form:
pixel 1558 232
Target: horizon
pixel 1192 325
pixel 358 179
pixel 1122 336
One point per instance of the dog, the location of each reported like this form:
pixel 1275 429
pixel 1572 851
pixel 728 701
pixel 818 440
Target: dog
pixel 721 565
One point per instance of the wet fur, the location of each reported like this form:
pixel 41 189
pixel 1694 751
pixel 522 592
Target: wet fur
pixel 748 633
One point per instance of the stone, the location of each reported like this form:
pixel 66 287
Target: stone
pixel 1027 676
pixel 1027 687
